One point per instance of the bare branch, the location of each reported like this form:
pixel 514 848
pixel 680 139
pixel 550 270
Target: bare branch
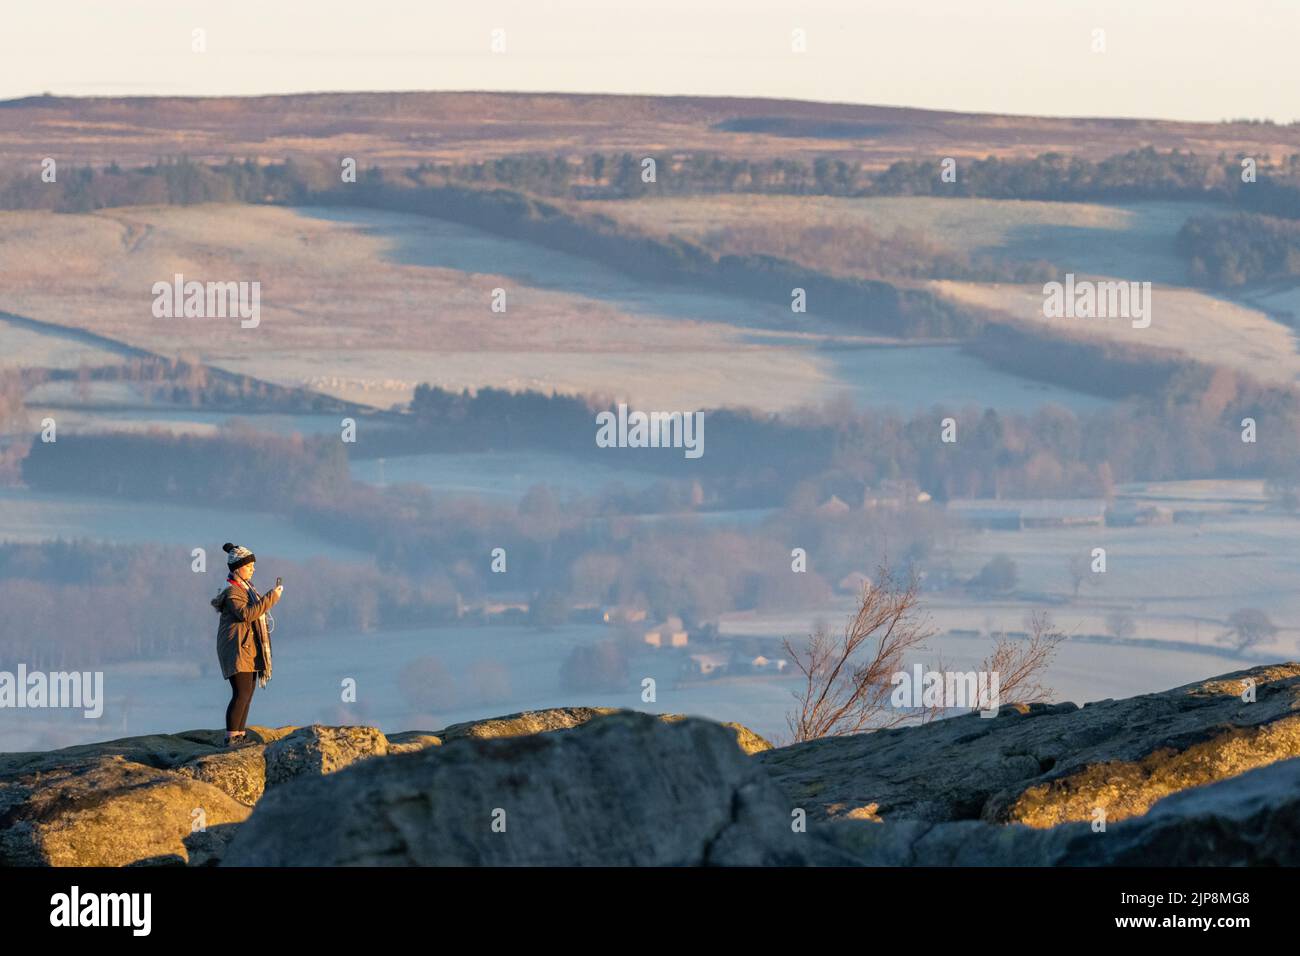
pixel 1021 664
pixel 848 680
pixel 842 693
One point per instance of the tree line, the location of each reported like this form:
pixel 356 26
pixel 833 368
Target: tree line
pixel 1144 173
pixel 1190 429
pixel 1238 250
pixel 1225 252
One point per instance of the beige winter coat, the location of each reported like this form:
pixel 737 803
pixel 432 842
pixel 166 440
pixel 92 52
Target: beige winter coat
pixel 238 638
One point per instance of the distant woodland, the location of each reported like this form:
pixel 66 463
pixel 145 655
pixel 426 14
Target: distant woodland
pixel 1229 251
pixel 507 196
pixel 569 550
pixel 1176 418
pixel 1138 174
pixel 1192 429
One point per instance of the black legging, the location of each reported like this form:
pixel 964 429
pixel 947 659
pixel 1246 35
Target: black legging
pixel 241 695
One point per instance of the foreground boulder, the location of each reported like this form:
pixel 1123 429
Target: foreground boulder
pixel 109 811
pixel 1044 765
pixel 318 750
pixel 1249 820
pixel 620 789
pixel 525 723
pixel 132 777
pixel 748 741
pixel 152 750
pixel 408 741
pixel 1202 774
pixel 274 756
pixel 566 718
pixel 239 773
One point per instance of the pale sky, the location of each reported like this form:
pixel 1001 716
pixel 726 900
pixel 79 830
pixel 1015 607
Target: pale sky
pixel 1173 59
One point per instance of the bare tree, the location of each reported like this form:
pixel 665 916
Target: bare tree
pixel 1077 568
pixel 1121 624
pixel 848 679
pixel 1249 626
pixel 998 576
pixel 845 693
pixel 1020 664
pixel 1283 486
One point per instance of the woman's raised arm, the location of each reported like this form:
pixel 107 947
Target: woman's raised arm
pixel 247 612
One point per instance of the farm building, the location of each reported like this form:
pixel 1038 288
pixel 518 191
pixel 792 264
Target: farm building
pixel 706 665
pixel 840 495
pixel 669 634
pixel 1130 514
pixel 833 505
pixel 623 614
pixel 1029 513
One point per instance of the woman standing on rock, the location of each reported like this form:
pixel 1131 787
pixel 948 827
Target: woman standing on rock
pixel 243 637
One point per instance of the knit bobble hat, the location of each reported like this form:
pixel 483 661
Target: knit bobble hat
pixel 238 557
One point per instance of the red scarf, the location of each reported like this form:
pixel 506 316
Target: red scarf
pixel 246 585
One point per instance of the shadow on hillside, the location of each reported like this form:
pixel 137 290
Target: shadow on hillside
pixel 440 244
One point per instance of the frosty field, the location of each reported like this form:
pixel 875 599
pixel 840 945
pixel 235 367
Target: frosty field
pixel 1128 240
pixel 365 305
